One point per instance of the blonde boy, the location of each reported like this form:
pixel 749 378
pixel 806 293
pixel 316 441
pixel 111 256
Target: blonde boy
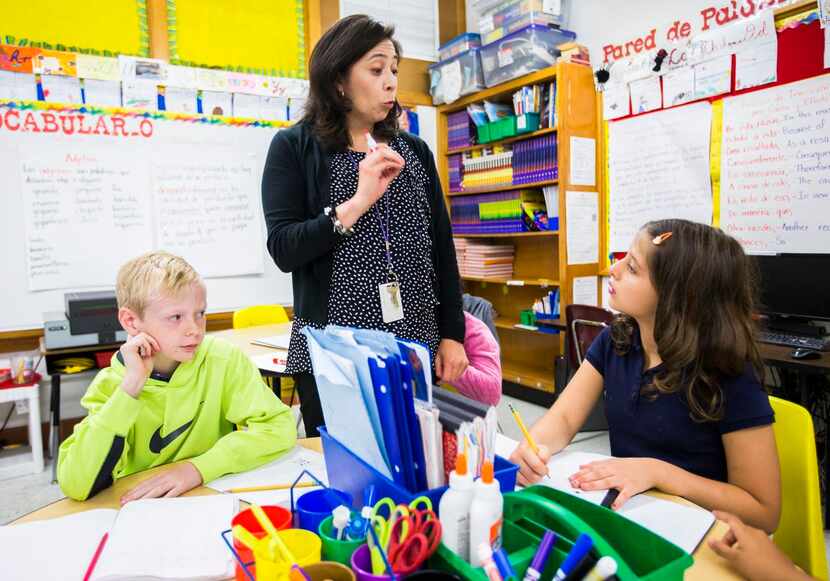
pixel 171 395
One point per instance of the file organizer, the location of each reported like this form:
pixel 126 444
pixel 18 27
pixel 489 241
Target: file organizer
pixel 640 554
pixel 352 475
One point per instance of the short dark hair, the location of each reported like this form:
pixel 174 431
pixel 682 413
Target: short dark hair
pixel 338 49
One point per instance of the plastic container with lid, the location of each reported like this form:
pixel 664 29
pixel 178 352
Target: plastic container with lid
pixel 454 78
pixel 459 44
pixel 529 49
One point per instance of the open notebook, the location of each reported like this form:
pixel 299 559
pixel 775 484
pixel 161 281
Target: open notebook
pixel 164 539
pixel 683 525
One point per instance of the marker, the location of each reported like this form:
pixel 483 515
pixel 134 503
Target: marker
pixel 541 557
pixel 95 557
pixel 610 497
pixel 582 568
pixel 370 142
pixel 605 568
pixel 503 563
pixel 485 555
pixel 581 548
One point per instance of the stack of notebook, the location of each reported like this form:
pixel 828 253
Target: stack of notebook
pixel 483 260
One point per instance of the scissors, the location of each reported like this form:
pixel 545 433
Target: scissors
pixel 408 550
pixel 398 529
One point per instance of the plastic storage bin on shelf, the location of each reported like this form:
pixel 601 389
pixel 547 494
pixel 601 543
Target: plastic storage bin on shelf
pixel 459 44
pixel 529 49
pixel 459 76
pixel 517 23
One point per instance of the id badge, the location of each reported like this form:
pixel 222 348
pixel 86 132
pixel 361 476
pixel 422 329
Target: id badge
pixel 390 301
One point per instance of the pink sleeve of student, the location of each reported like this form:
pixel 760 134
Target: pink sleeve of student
pixel 482 379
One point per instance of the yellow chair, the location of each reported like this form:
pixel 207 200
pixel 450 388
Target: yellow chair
pixel 267 315
pixel 259 315
pixel 800 533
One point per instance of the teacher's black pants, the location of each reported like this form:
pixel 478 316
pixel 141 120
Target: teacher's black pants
pixel 309 404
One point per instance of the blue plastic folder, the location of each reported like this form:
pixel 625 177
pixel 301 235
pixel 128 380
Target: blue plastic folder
pixel 340 389
pixel 386 379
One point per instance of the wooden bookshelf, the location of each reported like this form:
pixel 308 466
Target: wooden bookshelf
pixel 504 188
pixel 540 260
pixel 510 234
pixel 507 141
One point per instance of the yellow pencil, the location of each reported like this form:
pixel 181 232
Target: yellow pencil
pixel 523 428
pixel 271 487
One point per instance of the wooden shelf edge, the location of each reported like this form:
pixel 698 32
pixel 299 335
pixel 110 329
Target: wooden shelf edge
pixel 510 234
pixel 510 325
pixel 542 282
pixel 546 74
pixel 504 188
pixel 505 141
pixel 535 378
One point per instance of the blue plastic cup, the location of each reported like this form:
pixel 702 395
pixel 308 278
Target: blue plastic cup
pixel 313 507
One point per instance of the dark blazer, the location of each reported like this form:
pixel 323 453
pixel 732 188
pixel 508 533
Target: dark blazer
pixel 295 189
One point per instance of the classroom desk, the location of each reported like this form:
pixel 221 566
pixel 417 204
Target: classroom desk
pixel 707 566
pixel 242 337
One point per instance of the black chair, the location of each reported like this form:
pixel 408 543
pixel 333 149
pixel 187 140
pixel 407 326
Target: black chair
pixel 585 323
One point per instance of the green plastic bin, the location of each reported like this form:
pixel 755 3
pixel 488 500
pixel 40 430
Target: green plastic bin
pixel 527 123
pixel 483 133
pixel 640 554
pixel 503 128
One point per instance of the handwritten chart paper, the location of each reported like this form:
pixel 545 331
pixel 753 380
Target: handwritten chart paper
pixel 775 168
pixel 72 202
pixel 659 168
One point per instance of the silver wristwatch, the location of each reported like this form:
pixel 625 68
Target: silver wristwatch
pixel 336 223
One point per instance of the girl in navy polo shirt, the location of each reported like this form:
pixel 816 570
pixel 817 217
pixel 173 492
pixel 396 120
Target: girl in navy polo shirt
pixel 681 377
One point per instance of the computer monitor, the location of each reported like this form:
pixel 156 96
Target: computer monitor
pixel 795 285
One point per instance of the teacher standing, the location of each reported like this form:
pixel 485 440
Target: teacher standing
pixel 362 228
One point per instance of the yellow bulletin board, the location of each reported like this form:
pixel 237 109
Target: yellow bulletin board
pixel 85 26
pixel 242 35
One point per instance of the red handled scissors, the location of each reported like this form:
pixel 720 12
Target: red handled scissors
pixel 413 540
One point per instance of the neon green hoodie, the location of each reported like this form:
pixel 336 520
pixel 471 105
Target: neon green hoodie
pixel 191 416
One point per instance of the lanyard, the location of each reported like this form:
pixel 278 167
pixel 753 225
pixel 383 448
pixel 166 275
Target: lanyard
pixel 385 233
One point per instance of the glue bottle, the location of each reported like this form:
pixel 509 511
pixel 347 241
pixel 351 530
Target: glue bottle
pixel 485 513
pixel 454 509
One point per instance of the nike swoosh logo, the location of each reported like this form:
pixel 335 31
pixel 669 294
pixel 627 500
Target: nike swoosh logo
pixel 157 443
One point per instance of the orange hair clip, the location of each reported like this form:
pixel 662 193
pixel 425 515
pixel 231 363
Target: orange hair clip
pixel 660 238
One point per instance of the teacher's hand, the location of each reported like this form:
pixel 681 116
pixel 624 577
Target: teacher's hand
pixel 451 360
pixel 376 172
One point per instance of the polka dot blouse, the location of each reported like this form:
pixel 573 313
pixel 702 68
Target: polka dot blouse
pixel 360 265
